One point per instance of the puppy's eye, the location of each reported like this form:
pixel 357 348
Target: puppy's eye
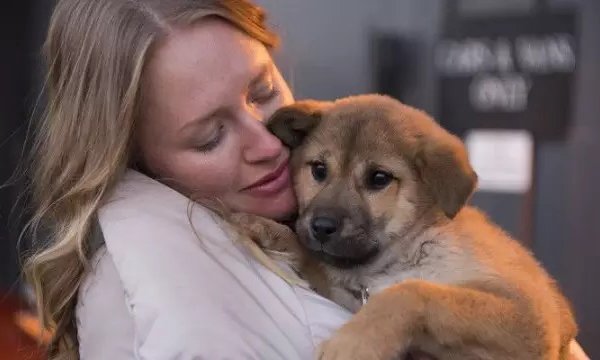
pixel 319 171
pixel 378 180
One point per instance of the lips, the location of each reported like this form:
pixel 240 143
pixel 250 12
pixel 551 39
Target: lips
pixel 271 183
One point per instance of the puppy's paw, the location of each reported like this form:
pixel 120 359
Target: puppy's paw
pixel 346 345
pixel 268 234
pixel 255 227
pixel 247 222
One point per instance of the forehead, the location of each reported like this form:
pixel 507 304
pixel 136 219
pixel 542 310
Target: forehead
pixel 197 66
pixel 368 133
pixel 211 44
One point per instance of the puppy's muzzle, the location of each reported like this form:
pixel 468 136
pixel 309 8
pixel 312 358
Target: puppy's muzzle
pixel 339 237
pixel 324 228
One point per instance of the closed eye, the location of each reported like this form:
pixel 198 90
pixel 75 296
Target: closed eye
pixel 262 88
pixel 214 141
pixel 264 96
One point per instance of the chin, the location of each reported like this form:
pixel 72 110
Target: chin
pixel 281 207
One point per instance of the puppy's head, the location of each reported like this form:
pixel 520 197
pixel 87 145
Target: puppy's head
pixel 365 169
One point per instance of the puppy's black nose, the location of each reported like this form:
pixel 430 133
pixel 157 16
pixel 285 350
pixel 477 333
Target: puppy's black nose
pixel 323 227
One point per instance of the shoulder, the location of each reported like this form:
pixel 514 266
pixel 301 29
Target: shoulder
pixel 147 225
pixel 138 198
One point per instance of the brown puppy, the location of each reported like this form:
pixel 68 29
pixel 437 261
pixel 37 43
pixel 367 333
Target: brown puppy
pixel 382 191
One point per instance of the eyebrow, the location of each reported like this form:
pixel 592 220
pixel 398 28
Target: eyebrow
pixel 265 69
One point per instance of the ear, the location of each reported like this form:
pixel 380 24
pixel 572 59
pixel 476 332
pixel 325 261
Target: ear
pixel 292 123
pixel 444 167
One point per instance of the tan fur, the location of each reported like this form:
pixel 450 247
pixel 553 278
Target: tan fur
pixel 444 280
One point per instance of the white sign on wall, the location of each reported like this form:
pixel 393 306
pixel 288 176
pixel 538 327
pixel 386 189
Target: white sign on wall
pixel 503 159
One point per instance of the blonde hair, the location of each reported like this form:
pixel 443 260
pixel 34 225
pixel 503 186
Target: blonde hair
pixel 95 52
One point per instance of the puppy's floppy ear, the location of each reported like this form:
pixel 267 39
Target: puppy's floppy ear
pixel 444 167
pixel 292 123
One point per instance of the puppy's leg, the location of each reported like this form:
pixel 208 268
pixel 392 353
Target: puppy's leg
pixel 448 322
pixel 281 243
pixel 268 240
pixel 268 234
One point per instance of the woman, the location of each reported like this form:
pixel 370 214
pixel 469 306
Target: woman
pixel 177 90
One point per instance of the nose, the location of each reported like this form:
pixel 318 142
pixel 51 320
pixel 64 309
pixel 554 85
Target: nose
pixel 323 228
pixel 261 145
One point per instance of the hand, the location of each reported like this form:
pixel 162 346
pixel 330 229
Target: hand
pixel 576 352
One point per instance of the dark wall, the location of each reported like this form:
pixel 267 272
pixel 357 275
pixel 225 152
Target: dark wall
pixel 569 214
pixel 22 29
pixel 14 83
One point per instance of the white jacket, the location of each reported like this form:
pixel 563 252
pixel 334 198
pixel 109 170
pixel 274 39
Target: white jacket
pixel 158 292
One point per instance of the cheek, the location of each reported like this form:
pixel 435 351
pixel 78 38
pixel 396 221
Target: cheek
pixel 306 188
pixel 213 177
pixel 383 203
pixel 403 208
pixel 198 175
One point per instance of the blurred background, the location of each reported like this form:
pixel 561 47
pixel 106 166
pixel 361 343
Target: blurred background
pixel 518 80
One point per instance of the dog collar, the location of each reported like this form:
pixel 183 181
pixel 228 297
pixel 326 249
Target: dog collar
pixel 362 294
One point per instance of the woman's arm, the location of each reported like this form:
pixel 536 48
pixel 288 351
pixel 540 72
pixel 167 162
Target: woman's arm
pixel 104 325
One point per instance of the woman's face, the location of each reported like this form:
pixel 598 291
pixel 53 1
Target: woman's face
pixel 207 90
